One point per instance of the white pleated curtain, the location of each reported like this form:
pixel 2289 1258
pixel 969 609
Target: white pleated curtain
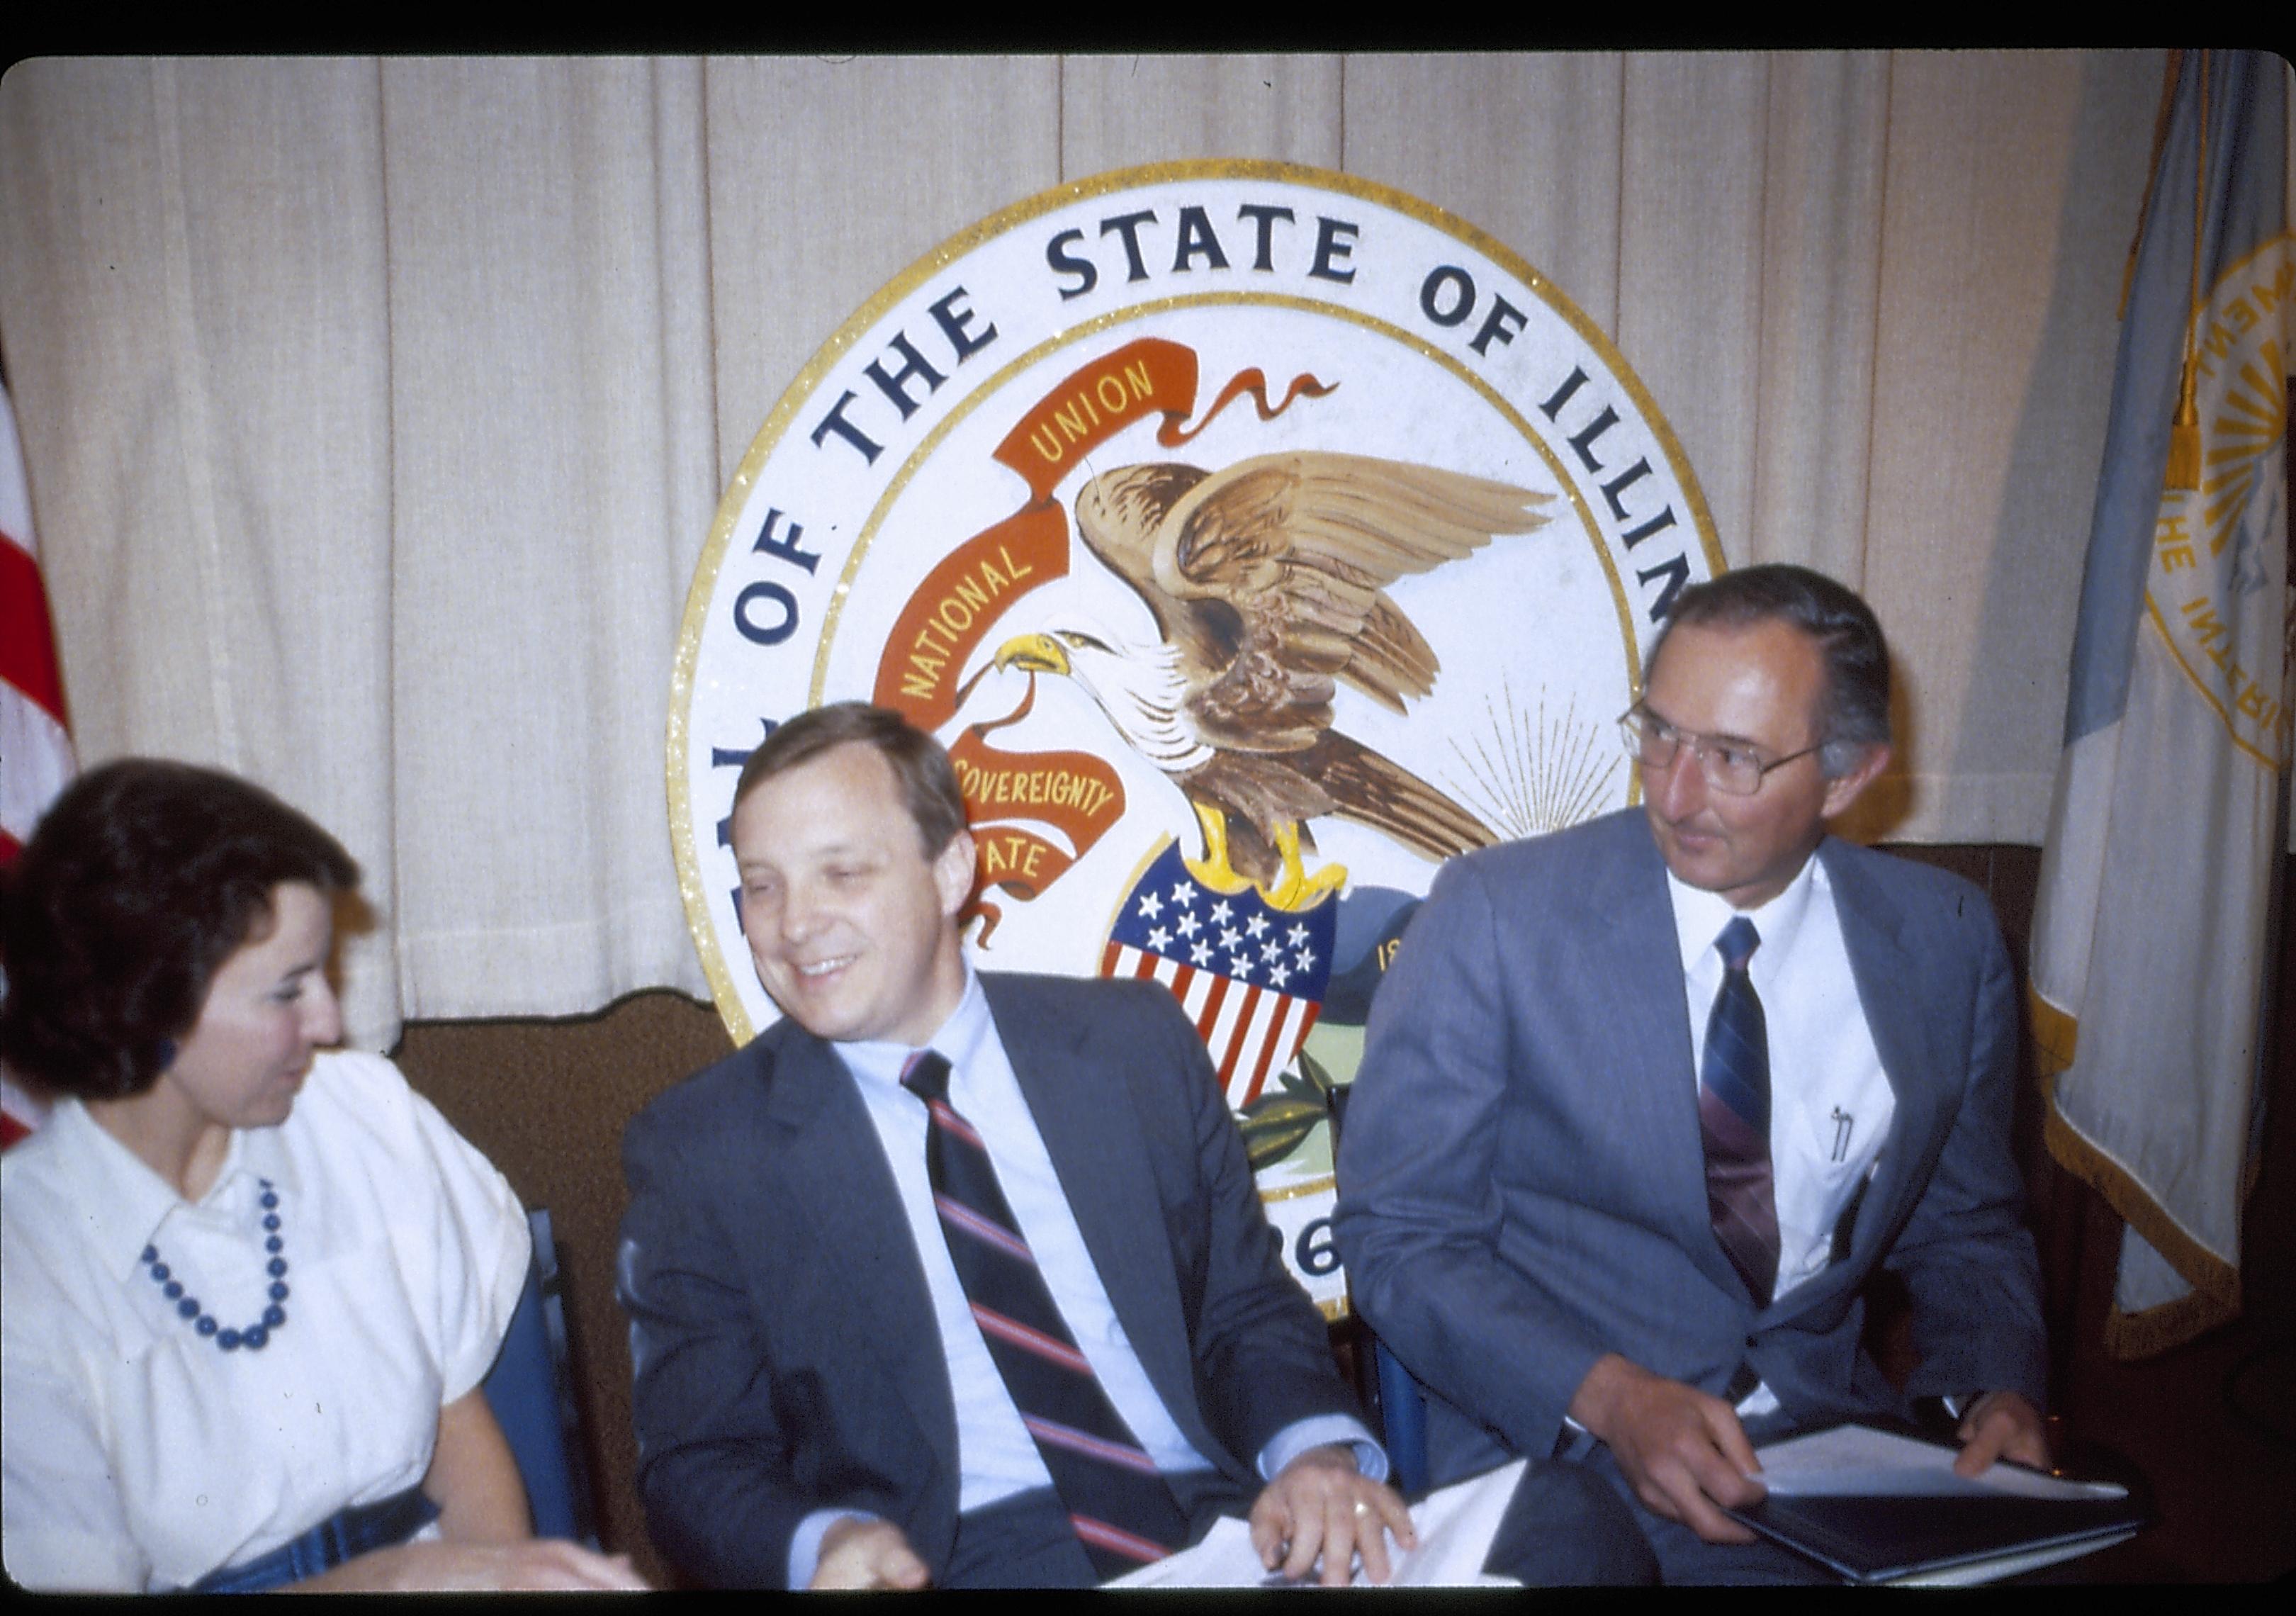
pixel 376 411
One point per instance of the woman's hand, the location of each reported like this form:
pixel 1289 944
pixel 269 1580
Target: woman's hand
pixel 536 1564
pixel 486 1535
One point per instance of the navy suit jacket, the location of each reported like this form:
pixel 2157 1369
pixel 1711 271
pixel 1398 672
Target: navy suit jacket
pixel 1522 1180
pixel 785 1352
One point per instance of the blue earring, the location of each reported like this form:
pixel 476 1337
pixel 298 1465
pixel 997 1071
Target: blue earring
pixel 166 1053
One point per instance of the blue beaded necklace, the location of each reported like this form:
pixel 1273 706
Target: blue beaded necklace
pixel 255 1336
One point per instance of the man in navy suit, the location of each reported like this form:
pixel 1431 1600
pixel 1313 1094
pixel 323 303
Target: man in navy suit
pixel 1590 1235
pixel 817 1398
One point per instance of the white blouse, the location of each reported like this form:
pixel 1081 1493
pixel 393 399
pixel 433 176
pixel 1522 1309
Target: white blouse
pixel 135 1454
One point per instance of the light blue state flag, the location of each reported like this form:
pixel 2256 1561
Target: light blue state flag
pixel 2150 935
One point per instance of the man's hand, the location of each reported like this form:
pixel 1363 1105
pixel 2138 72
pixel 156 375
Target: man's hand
pixel 1320 1505
pixel 858 1553
pixel 1684 1452
pixel 2001 1426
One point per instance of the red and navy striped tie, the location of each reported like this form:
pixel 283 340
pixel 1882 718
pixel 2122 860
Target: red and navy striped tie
pixel 1123 1511
pixel 1734 1114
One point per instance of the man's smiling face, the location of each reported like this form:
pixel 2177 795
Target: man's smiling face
pixel 851 923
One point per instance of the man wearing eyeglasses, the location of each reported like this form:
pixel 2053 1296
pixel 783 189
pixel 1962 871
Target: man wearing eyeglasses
pixel 1645 1103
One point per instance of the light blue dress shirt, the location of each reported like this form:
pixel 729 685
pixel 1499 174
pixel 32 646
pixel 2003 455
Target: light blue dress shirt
pixel 1830 1104
pixel 997 1457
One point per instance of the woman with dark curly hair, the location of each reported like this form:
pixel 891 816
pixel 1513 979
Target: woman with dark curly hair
pixel 251 1284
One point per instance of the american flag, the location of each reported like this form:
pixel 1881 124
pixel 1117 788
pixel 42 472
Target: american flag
pixel 1250 975
pixel 36 750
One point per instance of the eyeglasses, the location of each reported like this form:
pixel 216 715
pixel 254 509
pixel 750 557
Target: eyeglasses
pixel 1730 766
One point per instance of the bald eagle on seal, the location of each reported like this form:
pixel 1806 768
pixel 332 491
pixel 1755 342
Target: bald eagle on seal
pixel 1267 583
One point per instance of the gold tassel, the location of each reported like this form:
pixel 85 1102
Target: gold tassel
pixel 2184 470
pixel 2183 473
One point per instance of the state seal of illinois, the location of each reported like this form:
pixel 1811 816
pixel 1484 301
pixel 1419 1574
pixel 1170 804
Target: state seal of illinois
pixel 1255 539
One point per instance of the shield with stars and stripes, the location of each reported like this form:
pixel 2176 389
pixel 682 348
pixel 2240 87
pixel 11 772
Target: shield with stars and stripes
pixel 1250 975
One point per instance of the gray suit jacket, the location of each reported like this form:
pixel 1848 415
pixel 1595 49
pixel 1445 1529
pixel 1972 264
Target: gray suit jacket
pixel 785 1352
pixel 1522 1182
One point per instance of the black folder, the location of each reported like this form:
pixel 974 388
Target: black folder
pixel 1948 1539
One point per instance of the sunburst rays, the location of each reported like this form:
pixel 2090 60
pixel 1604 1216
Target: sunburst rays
pixel 2254 417
pixel 1531 773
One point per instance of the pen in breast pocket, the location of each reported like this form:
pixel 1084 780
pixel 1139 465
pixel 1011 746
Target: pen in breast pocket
pixel 1842 1122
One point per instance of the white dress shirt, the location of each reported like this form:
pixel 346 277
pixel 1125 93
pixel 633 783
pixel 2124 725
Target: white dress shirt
pixel 138 1456
pixel 1830 1102
pixel 997 1457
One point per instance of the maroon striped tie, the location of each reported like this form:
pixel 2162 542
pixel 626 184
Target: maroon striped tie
pixel 1122 1510
pixel 1734 1114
